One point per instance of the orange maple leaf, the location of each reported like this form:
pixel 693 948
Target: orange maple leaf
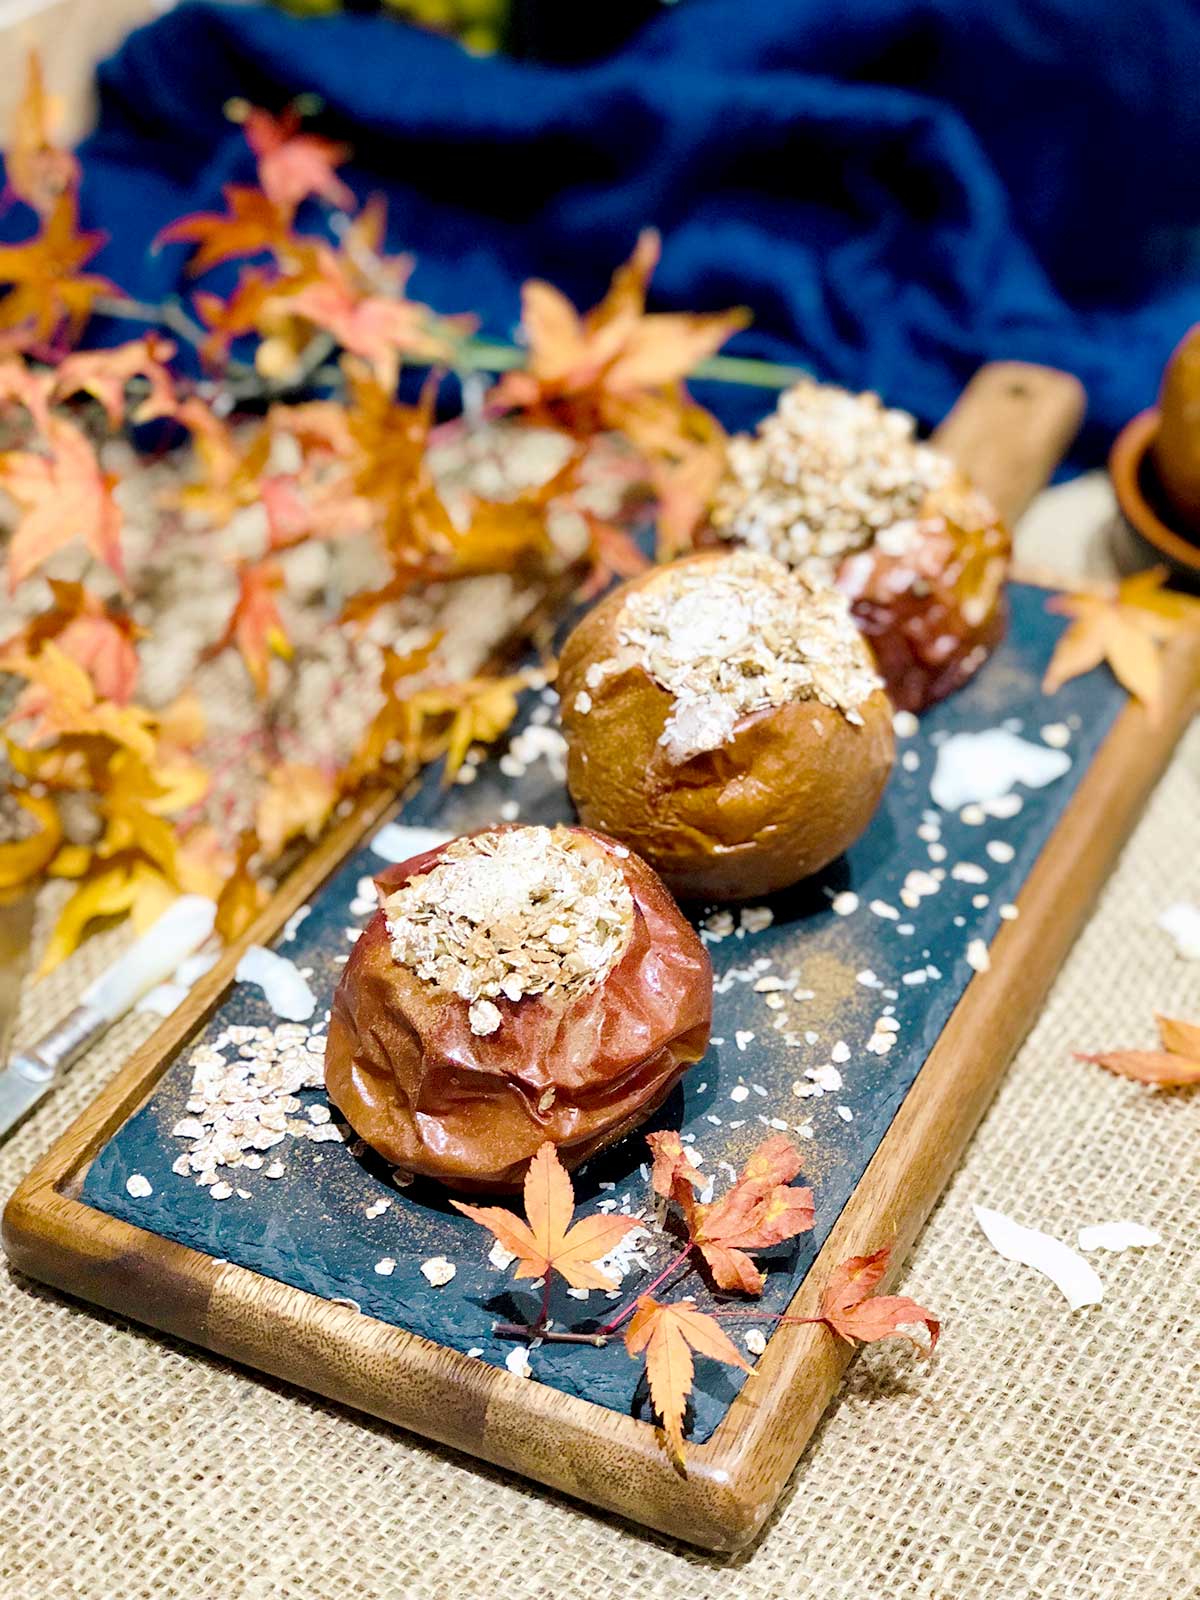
pixel 547 1242
pixel 99 637
pixel 1175 1066
pixel 1125 626
pixel 242 896
pixel 104 374
pixel 231 469
pixel 38 171
pixel 63 495
pixel 242 313
pixel 295 802
pixel 667 1335
pixel 294 165
pixel 387 747
pixel 69 705
pixel 27 387
pixel 763 1208
pixel 853 1311
pixel 255 624
pixel 579 366
pixel 252 225
pixel 48 290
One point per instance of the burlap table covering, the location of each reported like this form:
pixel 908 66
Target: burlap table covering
pixel 1045 1453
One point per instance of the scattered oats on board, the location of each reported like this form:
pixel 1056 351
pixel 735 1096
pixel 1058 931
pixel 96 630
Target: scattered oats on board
pixel 138 1186
pixel 385 1266
pixel 438 1271
pixel 247 1105
pixel 1000 850
pixel 528 911
pixel 755 1341
pixel 844 904
pixel 500 1257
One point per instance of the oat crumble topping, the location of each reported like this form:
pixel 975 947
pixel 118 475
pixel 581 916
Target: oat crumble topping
pixel 827 473
pixel 737 637
pixel 528 911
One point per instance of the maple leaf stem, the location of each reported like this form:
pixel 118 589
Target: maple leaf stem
pixel 531 1331
pixel 626 1311
pixel 170 314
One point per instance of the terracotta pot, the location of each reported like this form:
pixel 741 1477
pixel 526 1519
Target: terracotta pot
pixel 1145 508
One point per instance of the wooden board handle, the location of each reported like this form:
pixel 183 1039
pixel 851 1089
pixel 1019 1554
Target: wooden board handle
pixel 1010 428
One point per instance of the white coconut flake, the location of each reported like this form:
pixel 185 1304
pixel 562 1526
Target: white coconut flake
pixel 1117 1236
pixel 438 1271
pixel 978 957
pixel 396 843
pixel 844 904
pixel 974 767
pixel 517 1362
pixel 286 991
pixel 138 1186
pixel 1063 1266
pixel 755 1341
pixel 500 1257
pixel 1181 923
pixel 385 1267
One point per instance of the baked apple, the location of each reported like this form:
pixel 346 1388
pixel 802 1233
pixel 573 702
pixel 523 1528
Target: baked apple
pixel 516 985
pixel 725 720
pixel 839 488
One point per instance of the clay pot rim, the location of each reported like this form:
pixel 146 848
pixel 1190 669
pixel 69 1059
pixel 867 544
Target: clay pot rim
pixel 1129 451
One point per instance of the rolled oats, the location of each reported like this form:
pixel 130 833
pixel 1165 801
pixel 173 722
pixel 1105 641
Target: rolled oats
pixel 527 911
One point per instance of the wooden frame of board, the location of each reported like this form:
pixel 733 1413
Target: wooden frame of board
pixel 605 1459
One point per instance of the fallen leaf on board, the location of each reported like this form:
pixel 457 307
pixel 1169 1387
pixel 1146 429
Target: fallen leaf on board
pixel 761 1209
pixel 851 1308
pixel 1127 627
pixel 63 495
pixel 547 1242
pixel 478 712
pixel 667 1335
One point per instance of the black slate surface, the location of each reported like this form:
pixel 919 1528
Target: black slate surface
pixel 309 1227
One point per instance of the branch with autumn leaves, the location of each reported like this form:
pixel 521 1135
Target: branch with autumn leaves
pixel 116 795
pixel 760 1210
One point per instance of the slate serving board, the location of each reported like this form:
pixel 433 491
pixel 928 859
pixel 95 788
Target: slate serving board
pixel 309 1228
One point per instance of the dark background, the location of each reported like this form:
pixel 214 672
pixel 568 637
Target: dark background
pixel 899 189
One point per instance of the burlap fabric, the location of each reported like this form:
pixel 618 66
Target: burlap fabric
pixel 1046 1453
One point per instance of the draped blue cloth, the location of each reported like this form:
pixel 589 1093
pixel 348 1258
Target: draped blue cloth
pixel 898 189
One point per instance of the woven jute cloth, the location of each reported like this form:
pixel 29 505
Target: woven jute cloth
pixel 1044 1453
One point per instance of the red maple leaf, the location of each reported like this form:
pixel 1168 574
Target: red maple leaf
pixel 294 165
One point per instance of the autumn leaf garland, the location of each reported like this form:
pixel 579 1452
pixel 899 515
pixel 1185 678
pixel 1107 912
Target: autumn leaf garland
pixel 323 302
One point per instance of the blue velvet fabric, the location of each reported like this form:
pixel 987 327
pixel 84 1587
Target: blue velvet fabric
pixel 899 189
